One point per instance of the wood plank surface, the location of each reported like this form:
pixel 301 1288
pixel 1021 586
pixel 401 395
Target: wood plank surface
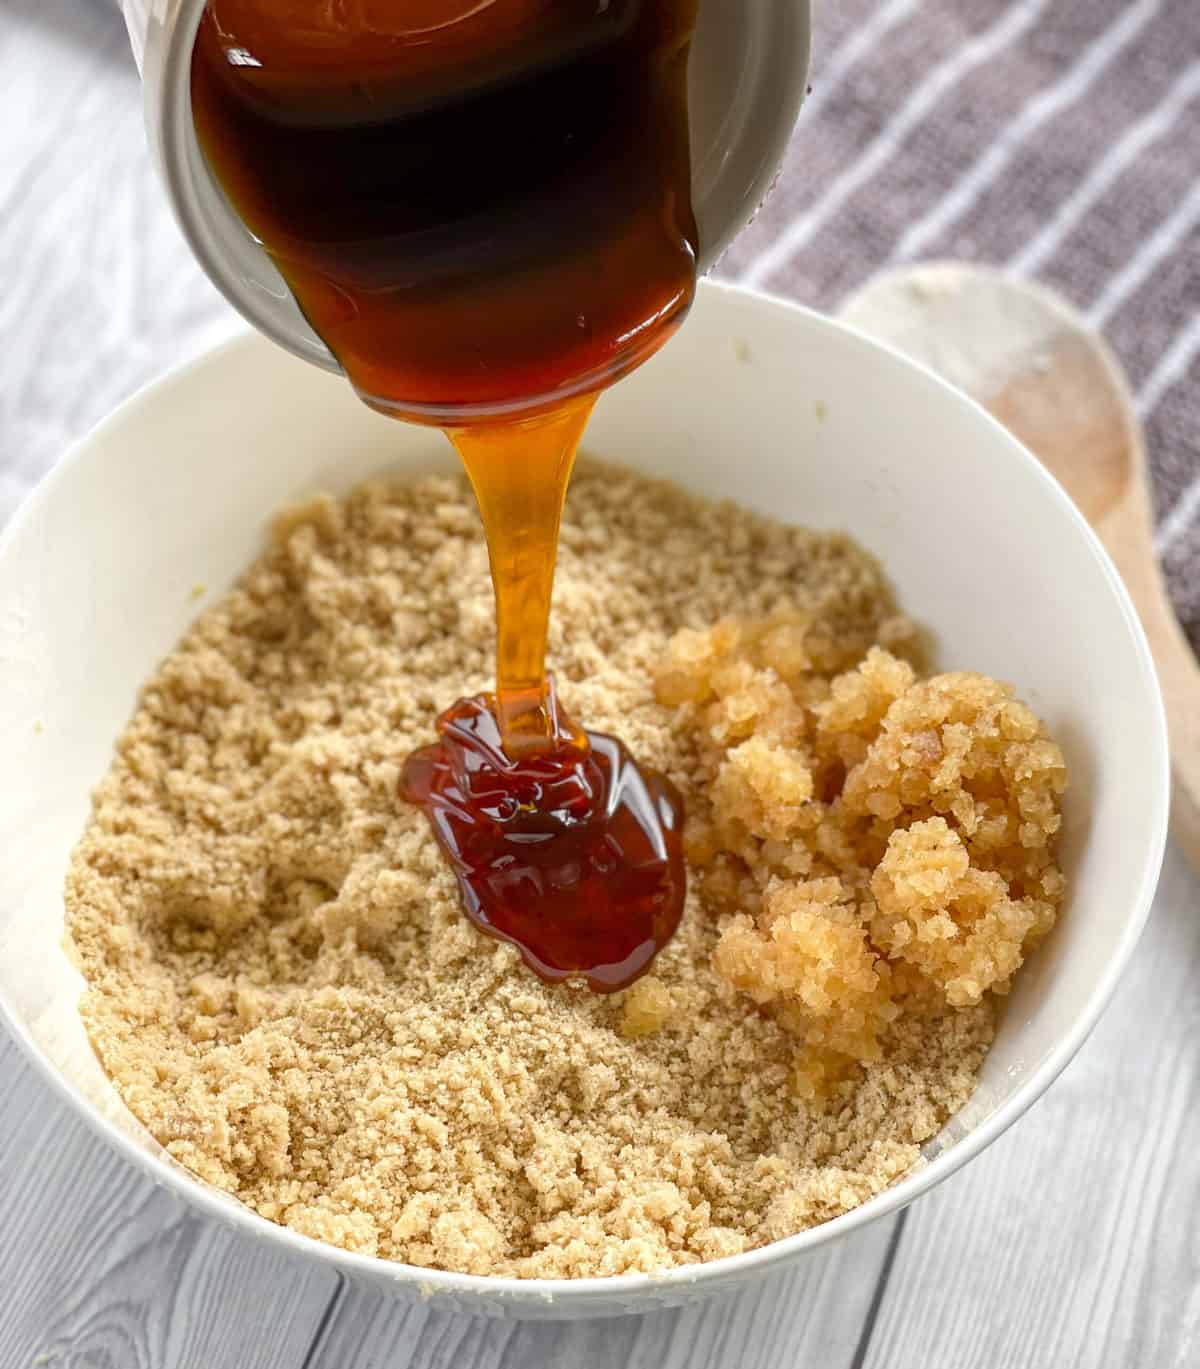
pixel 1074 1241
pixel 100 1267
pixel 813 1314
pixel 100 292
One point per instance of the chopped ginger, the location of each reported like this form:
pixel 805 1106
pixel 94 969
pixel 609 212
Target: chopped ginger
pixel 648 1006
pixel 876 844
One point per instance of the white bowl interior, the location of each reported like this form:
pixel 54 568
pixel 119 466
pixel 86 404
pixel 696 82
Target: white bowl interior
pixel 778 408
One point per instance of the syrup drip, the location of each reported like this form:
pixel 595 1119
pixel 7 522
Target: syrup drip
pixel 521 504
pixel 485 212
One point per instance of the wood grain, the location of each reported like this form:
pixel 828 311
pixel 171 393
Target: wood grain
pixel 1073 1241
pixel 100 1267
pixel 812 1314
pixel 100 292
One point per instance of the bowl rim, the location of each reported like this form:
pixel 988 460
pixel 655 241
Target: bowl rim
pixel 489 1291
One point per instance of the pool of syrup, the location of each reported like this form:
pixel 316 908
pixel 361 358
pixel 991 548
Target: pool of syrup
pixel 572 853
pixel 484 209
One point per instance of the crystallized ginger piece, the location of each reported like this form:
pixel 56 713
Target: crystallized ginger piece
pixel 959 904
pixel 858 702
pixel 763 787
pixel 956 924
pixel 647 1008
pixel 731 674
pixel 961 746
pixel 808 955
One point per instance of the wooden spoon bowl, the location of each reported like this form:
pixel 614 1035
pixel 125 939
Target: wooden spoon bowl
pixel 1028 357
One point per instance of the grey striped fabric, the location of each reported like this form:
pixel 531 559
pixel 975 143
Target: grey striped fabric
pixel 1060 138
pixel 1057 138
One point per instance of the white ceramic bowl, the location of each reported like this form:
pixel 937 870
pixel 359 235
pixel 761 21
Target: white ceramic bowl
pixel 785 411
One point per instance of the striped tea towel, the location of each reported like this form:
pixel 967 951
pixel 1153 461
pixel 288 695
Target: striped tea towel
pixel 1057 138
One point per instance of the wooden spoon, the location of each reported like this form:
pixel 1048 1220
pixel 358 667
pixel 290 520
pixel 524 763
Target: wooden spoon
pixel 1037 366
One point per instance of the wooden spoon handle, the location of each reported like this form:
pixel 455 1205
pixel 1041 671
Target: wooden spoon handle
pixel 1105 468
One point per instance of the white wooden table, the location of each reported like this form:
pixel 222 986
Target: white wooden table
pixel 1074 1241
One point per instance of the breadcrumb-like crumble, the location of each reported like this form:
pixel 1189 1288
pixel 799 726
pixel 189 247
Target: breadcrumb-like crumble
pixel 283 989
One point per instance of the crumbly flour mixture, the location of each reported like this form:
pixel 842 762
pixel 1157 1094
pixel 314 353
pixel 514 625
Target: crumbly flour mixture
pixel 283 989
